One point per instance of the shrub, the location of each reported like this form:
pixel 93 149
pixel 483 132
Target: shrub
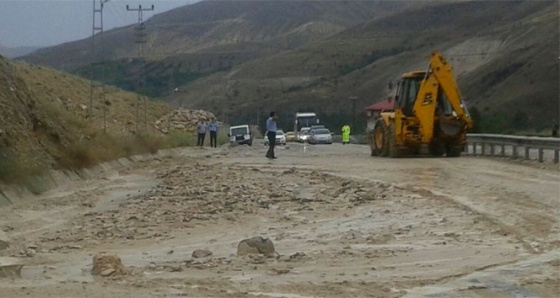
pixel 179 138
pixel 17 168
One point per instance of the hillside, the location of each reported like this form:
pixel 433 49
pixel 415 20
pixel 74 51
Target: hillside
pixel 197 40
pixel 247 29
pixel 44 121
pixel 241 59
pixel 16 52
pixel 503 52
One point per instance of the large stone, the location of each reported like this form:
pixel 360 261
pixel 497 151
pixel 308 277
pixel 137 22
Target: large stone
pixel 256 245
pixel 10 267
pixel 107 265
pixel 201 253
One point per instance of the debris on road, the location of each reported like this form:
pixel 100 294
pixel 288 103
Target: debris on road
pixel 344 230
pixel 201 253
pixel 107 265
pixel 256 245
pixel 10 267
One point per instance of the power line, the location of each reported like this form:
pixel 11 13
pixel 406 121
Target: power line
pixel 140 41
pixel 97 30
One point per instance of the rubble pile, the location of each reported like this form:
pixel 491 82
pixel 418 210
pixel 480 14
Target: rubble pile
pixel 183 119
pixel 194 191
pixel 190 192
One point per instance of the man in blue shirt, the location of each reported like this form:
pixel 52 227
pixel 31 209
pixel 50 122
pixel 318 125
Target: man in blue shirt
pixel 271 134
pixel 213 128
pixel 201 130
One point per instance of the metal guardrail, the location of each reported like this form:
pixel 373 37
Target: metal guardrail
pixel 539 148
pixel 486 144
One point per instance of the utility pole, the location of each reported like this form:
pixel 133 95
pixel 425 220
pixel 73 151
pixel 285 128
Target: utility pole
pixel 140 41
pixel 97 30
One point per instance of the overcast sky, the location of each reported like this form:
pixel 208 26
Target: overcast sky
pixel 51 22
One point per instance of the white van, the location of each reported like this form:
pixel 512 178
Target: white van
pixel 241 135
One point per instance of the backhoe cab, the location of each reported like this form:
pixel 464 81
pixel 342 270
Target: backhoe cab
pixel 429 115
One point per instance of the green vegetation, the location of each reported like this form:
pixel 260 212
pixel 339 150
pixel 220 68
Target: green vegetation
pixel 159 82
pixel 20 168
pixel 506 123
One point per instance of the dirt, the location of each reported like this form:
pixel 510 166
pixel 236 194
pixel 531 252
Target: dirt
pixel 342 224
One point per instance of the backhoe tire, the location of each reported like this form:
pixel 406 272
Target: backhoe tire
pixel 380 143
pixel 437 149
pixel 372 145
pixel 453 151
pixel 393 147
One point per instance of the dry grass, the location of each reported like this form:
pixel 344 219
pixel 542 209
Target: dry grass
pixel 48 126
pixel 18 166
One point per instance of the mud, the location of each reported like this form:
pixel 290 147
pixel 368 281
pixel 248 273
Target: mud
pixel 343 224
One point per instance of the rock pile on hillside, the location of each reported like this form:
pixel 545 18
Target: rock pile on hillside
pixel 183 119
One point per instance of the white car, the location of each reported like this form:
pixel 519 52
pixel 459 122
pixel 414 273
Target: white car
pixel 320 136
pixel 304 134
pixel 240 134
pixel 280 138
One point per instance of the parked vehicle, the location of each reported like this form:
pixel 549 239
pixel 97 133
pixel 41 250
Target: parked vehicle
pixel 291 136
pixel 280 138
pixel 305 120
pixel 317 126
pixel 241 135
pixel 303 135
pixel 320 136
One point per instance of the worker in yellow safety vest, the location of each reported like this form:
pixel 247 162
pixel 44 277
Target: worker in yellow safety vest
pixel 345 134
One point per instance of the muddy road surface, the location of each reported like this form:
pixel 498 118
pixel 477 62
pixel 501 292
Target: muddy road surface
pixel 343 224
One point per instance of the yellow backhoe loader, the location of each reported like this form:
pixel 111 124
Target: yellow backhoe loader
pixel 429 115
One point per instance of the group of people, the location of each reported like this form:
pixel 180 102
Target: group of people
pixel 271 129
pixel 202 128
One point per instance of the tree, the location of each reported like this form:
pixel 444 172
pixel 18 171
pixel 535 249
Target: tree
pixel 519 120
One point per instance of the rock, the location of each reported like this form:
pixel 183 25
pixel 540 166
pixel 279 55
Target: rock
pixel 4 244
pixel 108 272
pixel 30 253
pixel 4 241
pixel 256 245
pixel 10 267
pixel 201 253
pixel 107 265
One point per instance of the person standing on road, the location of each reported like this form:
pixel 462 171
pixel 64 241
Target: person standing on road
pixel 345 134
pixel 271 134
pixel 213 128
pixel 201 130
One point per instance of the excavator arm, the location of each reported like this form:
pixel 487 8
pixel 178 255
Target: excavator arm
pixel 439 78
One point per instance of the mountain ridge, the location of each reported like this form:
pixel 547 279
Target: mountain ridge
pixel 296 66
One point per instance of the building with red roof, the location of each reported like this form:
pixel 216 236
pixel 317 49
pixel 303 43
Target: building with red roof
pixel 374 110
